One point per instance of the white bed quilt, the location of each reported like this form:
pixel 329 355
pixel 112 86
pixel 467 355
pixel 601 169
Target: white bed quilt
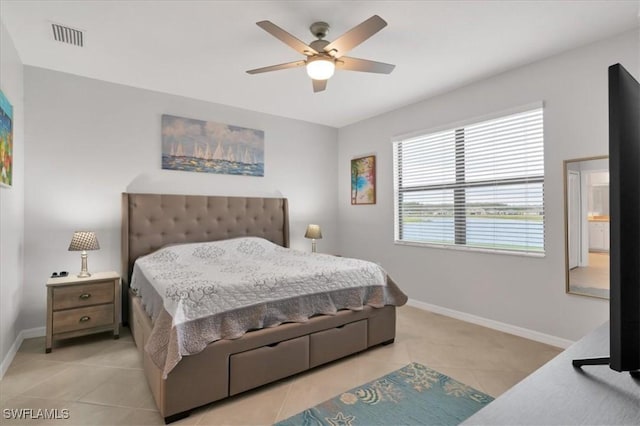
pixel 229 287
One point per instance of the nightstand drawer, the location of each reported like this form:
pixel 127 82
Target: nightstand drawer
pixel 79 319
pixel 82 295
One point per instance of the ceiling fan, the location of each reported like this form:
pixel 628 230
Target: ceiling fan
pixel 322 56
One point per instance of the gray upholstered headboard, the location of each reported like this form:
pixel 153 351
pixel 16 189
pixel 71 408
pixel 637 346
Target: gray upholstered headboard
pixel 150 221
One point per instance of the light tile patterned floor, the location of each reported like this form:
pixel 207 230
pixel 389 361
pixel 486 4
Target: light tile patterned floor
pixel 101 382
pixel 595 275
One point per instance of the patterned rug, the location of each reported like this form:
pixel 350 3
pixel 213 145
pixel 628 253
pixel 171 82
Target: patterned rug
pixel 413 395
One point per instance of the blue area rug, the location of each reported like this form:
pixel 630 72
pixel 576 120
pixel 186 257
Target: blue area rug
pixel 413 395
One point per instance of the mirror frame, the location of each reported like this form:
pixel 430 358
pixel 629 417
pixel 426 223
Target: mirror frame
pixel 566 222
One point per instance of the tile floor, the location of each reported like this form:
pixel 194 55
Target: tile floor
pixel 595 275
pixel 100 381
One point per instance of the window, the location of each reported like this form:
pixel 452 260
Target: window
pixel 479 185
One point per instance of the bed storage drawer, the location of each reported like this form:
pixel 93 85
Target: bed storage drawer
pixel 327 345
pixel 267 364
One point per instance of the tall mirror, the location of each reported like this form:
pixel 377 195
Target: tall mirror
pixel 586 215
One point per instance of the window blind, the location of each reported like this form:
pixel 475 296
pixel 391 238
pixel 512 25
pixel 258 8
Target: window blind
pixel 480 185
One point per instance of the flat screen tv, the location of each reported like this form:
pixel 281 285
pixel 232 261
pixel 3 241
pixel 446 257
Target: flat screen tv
pixel 624 199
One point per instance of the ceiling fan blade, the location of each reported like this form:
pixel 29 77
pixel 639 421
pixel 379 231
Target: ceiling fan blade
pixel 277 67
pixel 287 38
pixel 355 36
pixel 364 65
pixel 319 85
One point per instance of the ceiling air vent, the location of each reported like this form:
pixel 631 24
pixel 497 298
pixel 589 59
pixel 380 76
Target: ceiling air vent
pixel 68 35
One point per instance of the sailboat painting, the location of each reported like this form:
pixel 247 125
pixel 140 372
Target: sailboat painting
pixel 209 147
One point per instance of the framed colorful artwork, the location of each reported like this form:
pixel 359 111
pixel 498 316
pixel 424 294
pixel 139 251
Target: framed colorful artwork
pixel 209 147
pixel 6 142
pixel 363 180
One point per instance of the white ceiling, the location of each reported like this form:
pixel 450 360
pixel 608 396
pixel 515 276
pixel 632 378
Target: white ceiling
pixel 201 49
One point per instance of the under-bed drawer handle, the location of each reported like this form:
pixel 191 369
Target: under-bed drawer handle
pixel 85 296
pixel 85 318
pixel 341 326
pixel 273 345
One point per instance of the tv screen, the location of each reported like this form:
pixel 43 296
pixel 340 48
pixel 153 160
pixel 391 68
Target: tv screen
pixel 624 168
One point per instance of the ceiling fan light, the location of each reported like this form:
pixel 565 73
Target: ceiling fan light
pixel 320 68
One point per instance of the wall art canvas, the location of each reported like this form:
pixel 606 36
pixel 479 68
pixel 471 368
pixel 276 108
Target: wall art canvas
pixel 6 141
pixel 209 147
pixel 363 180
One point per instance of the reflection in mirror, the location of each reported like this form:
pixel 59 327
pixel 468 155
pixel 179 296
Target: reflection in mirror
pixel 586 202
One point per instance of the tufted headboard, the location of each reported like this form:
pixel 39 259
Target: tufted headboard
pixel 150 221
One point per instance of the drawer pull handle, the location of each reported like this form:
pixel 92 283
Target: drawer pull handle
pixel 85 296
pixel 85 319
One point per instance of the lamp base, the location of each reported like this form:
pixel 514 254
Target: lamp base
pixel 84 273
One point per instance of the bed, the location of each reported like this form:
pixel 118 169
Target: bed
pixel 227 367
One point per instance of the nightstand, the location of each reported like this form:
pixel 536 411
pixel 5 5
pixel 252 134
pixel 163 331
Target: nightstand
pixel 80 306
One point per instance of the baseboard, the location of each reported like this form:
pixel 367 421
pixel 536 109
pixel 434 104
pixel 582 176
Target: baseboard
pixel 24 334
pixel 496 325
pixel 34 332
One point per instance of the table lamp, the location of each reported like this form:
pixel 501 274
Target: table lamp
pixel 83 241
pixel 313 232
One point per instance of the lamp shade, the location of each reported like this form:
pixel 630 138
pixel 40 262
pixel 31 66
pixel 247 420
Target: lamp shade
pixel 320 68
pixel 84 240
pixel 314 232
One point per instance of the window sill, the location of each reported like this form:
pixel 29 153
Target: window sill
pixel 472 249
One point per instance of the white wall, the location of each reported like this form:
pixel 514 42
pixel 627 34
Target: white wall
pixel 90 140
pixel 11 203
pixel 521 291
